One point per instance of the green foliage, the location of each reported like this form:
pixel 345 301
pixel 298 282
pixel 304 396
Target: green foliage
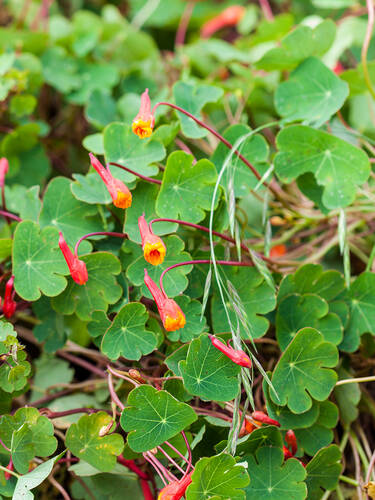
pixel 28 434
pixel 187 189
pixel 330 159
pixel 208 373
pixel 37 262
pixel 303 371
pixel 87 439
pixel 313 93
pixel 272 479
pixel 153 417
pixel 127 335
pixel 290 91
pixel 218 477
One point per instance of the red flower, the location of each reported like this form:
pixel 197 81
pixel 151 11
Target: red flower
pixel 153 247
pixel 260 416
pixel 77 267
pixel 120 194
pixel 144 122
pixel 236 355
pixel 4 167
pixel 176 489
pixel 170 312
pixel 9 305
pixel 291 441
pixel 228 17
pixel 10 467
pixel 339 68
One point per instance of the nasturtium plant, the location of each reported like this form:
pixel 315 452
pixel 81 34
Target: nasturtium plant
pixel 187 251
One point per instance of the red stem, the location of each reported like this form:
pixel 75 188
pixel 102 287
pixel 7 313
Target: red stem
pixel 184 23
pixel 201 228
pixel 130 464
pixel 81 362
pixel 57 414
pixel 214 132
pixel 144 177
pixel 201 261
pixel 4 213
pixel 265 6
pixel 99 233
pixel 170 459
pixel 113 394
pixel 189 453
pixel 147 494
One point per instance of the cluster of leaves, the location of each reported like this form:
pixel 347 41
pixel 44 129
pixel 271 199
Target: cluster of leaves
pixel 94 391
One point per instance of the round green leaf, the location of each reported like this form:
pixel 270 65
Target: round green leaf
pixel 127 335
pixel 63 211
pixel 153 417
pixel 362 311
pixel 84 441
pixel 218 477
pixel 302 373
pixel 100 290
pixel 37 261
pixel 323 472
pixel 313 93
pixel 193 99
pixel 270 479
pixel 90 189
pixel 122 146
pixel 304 149
pixel 28 434
pixel 298 311
pixel 208 373
pixel 187 189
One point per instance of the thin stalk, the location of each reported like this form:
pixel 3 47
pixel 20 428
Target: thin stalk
pixel 11 472
pixel 370 467
pixel 170 459
pixel 184 23
pixel 201 228
pixel 348 480
pixel 3 202
pixel 4 446
pixel 176 450
pixel 99 233
pixel 121 375
pixel 113 394
pixel 144 177
pixel 366 43
pixel 190 458
pixel 276 190
pixel 266 8
pixel 201 261
pixel 9 215
pixel 81 362
pixel 356 380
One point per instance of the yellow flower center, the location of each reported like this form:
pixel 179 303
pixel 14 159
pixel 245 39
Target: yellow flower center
pixel 123 200
pixel 154 253
pixel 142 129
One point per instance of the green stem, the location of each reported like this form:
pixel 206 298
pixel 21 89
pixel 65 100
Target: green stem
pixel 361 453
pixel 9 471
pixel 356 380
pixel 348 480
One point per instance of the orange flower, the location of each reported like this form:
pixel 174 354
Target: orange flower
pixel 236 355
pixel 277 251
pixel 176 489
pixel 228 17
pixel 77 267
pixel 170 312
pixel 120 194
pixel 144 122
pixel 153 247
